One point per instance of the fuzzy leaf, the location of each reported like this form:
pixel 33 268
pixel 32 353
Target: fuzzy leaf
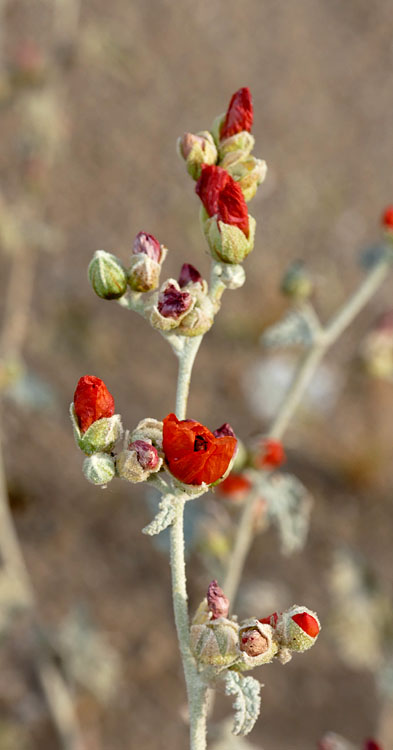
pixel 293 328
pixel 247 701
pixel 289 506
pixel 164 517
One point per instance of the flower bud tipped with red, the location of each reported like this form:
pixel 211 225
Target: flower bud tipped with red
pixel 148 245
pixel 270 620
pixel 173 303
pixel 209 186
pixel 253 642
pixel 92 401
pixel 297 628
pixel 239 115
pixel 217 602
pixel 146 453
pixel 308 623
pixel 223 197
pixel 271 455
pixel 189 275
pixel 387 218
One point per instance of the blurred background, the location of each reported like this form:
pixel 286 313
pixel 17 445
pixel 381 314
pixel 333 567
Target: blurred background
pixel 92 99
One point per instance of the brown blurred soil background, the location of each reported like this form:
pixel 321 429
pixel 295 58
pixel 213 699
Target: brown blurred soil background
pixel 140 74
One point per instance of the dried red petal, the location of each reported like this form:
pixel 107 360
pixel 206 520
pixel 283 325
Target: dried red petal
pixel 172 303
pixel 189 275
pixel 272 454
pixel 217 602
pixel 387 217
pixel 192 452
pixel 307 623
pixel 92 401
pixel 235 487
pixel 239 115
pixel 209 186
pixel 232 208
pixel 148 245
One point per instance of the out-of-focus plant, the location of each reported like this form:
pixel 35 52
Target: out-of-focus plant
pixel 181 457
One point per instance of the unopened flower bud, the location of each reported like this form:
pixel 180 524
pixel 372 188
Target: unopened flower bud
pixel 99 468
pixel 296 282
pixel 297 628
pixel 146 261
pixel 228 243
pixel 92 401
pixel 138 462
pixel 107 275
pixel 189 275
pixel 247 172
pixel 197 150
pixel 253 642
pixel 148 245
pixel 217 602
pixel 215 643
pixel 199 319
pixel 149 430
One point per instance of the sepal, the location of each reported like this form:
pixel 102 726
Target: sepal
pixel 101 436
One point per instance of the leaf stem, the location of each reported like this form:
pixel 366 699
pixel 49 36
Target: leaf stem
pixel 325 337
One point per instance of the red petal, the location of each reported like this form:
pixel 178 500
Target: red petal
pixel 387 217
pixel 273 454
pixel 235 486
pixel 232 208
pixel 211 182
pixel 239 115
pixel 307 623
pixel 92 401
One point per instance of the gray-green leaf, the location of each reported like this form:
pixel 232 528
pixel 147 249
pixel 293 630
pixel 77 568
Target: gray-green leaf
pixel 247 701
pixel 289 505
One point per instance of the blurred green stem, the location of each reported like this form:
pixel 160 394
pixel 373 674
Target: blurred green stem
pixel 325 337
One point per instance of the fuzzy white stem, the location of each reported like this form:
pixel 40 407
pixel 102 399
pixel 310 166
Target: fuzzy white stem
pixel 324 338
pixel 186 362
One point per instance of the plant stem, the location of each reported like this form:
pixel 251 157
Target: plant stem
pixel 186 361
pixel 324 338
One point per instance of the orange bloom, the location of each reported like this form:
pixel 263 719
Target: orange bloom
pixel 272 454
pixel 193 454
pixel 235 487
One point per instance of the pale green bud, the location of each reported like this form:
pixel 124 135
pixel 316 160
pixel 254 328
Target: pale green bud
pixel 242 142
pixel 232 275
pixel 107 275
pixel 215 642
pixel 248 173
pixel 197 150
pixel 99 468
pixel 149 429
pixel 216 128
pixel 296 282
pixel 101 436
pixel 227 243
pixel 200 319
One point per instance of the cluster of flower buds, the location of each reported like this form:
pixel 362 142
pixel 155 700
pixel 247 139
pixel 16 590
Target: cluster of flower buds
pixel 220 641
pixel 227 176
pixel 96 428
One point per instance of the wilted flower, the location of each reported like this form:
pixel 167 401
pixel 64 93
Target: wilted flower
pixel 189 275
pixel 147 258
pixel 148 245
pixel 217 602
pixel 193 454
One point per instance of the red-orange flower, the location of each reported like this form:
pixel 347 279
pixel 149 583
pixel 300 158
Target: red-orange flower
pixel 222 197
pixel 235 487
pixel 387 218
pixel 272 454
pixel 239 115
pixel 92 401
pixel 193 454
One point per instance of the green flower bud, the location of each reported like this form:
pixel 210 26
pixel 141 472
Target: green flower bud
pixel 101 436
pixel 197 150
pixel 296 282
pixel 227 243
pixel 242 142
pixel 107 275
pixel 248 173
pixel 215 642
pixel 99 468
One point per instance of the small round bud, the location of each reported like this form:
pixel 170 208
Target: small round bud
pixel 296 282
pixel 215 643
pixel 107 275
pixel 253 643
pixel 217 602
pixel 387 218
pixel 148 245
pixel 297 628
pixel 138 462
pixel 197 150
pixel 99 468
